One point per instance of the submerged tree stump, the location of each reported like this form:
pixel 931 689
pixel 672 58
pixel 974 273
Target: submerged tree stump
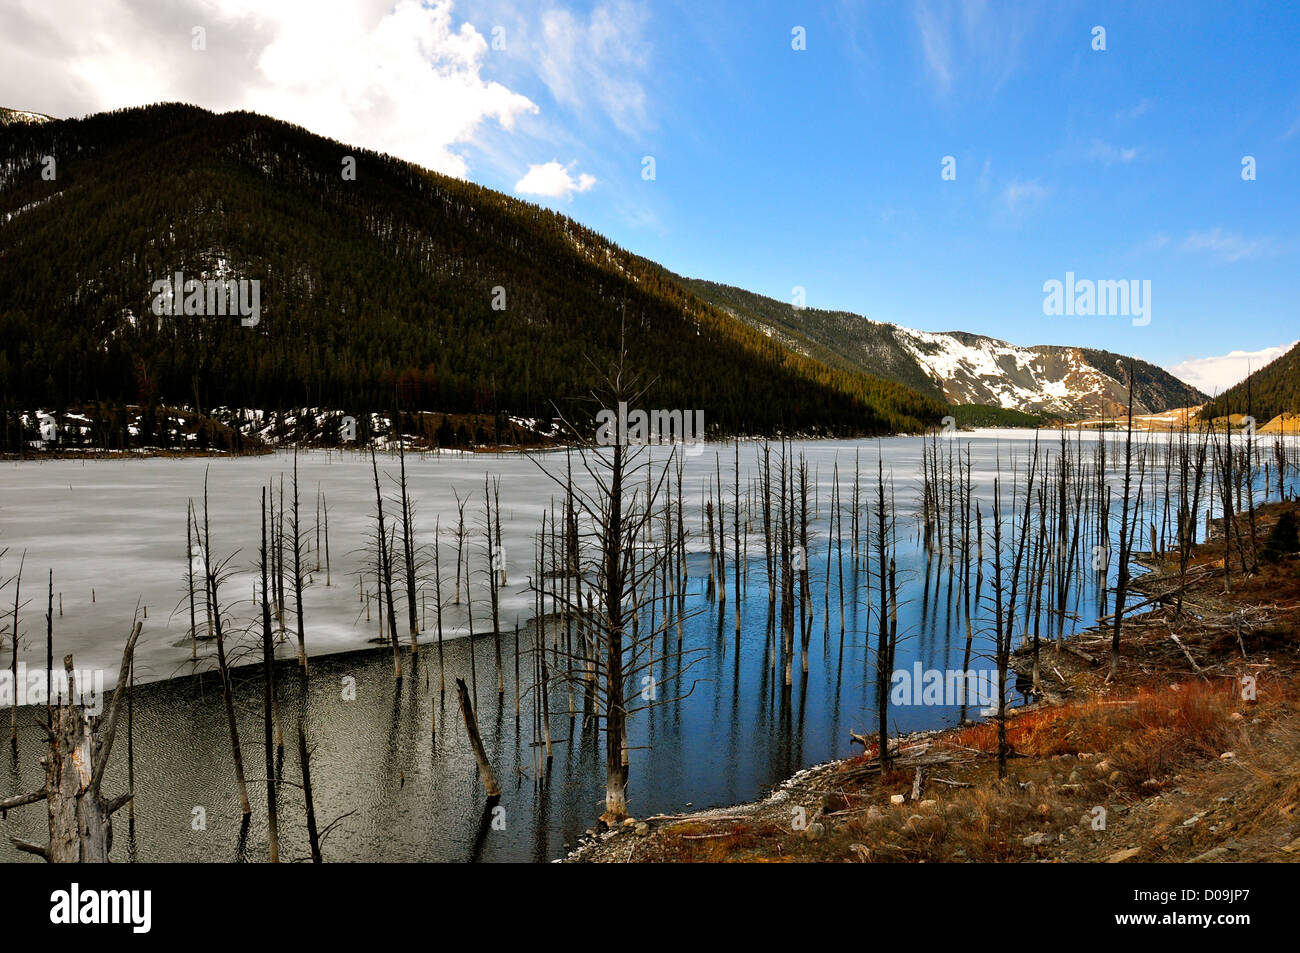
pixel 476 741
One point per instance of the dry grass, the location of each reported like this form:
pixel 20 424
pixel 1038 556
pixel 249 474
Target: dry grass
pixel 1146 735
pixel 1154 749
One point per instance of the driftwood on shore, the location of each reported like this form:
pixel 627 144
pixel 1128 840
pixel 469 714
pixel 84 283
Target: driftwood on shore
pixel 1205 573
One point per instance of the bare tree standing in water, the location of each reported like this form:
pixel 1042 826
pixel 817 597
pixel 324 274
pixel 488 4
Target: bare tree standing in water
pixel 620 523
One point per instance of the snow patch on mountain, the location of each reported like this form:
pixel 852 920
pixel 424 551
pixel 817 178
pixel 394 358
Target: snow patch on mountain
pixel 972 369
pixel 21 115
pixel 957 366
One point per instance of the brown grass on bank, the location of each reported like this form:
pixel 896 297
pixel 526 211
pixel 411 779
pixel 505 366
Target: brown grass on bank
pixel 1144 759
pixel 1146 735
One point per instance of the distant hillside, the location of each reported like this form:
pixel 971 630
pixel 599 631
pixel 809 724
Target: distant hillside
pixel 977 415
pixel 1154 388
pixel 8 116
pixel 956 366
pixel 839 338
pixel 1273 389
pixel 400 285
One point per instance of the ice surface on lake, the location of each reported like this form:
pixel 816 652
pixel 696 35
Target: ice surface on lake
pixel 117 527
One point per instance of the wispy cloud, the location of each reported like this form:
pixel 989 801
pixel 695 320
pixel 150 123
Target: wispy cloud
pixel 599 61
pixel 1228 246
pixel 1134 112
pixel 1214 375
pixel 553 180
pixel 1019 196
pixel 1111 154
pixel 970 44
pixel 936 46
pixel 1155 243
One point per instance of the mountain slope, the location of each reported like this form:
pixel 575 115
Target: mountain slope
pixel 956 366
pixel 838 338
pixel 397 285
pixel 1273 389
pixel 1154 388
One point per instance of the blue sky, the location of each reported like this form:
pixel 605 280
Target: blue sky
pixel 821 168
pixel 818 168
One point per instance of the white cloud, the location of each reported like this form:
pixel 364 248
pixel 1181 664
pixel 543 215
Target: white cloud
pixel 1214 375
pixel 553 181
pixel 1227 245
pixel 396 77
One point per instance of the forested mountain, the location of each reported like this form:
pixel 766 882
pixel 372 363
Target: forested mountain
pixel 397 286
pixel 1273 389
pixel 956 366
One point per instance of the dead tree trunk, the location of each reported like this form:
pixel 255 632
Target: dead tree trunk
pixel 304 761
pixel 326 507
pixel 268 692
pixel 385 578
pixel 81 819
pixel 297 570
pixel 408 552
pixel 212 582
pixel 1126 541
pixel 494 559
pixel 437 595
pixel 884 645
pixel 13 714
pixel 189 558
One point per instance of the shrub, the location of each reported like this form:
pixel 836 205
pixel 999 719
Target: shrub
pixel 1282 539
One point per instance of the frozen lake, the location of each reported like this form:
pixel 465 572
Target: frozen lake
pixel 113 532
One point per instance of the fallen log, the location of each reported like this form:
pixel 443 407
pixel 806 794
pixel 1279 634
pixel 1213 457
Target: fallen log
pixel 1078 653
pixel 953 784
pixel 1179 642
pixel 708 836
